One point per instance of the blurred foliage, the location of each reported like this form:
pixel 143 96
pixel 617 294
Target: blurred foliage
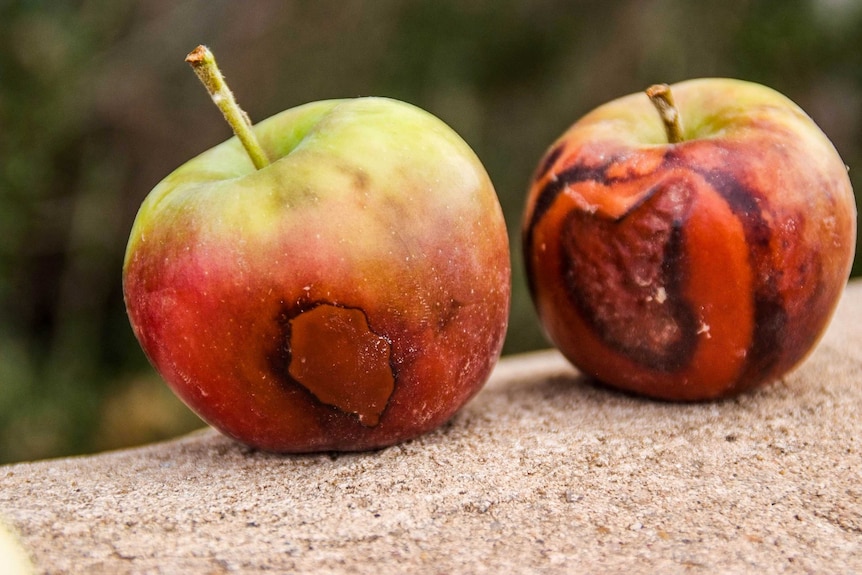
pixel 97 105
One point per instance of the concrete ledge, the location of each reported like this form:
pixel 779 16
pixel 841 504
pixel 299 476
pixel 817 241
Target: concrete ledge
pixel 542 473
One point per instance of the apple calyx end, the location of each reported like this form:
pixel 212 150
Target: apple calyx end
pixel 662 98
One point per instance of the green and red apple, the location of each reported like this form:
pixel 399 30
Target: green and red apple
pixel 14 558
pixel 351 294
pixel 691 253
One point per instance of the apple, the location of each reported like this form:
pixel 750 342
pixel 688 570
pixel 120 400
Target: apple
pixel 695 252
pixel 348 293
pixel 14 558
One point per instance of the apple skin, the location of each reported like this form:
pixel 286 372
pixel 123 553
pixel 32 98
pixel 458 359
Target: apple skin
pixel 692 270
pixel 351 295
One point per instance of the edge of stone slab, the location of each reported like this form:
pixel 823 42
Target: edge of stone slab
pixel 541 363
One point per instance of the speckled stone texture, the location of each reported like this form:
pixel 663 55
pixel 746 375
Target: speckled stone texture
pixel 543 472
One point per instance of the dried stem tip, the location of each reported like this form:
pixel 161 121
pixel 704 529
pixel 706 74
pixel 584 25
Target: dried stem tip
pixel 204 64
pixel 661 97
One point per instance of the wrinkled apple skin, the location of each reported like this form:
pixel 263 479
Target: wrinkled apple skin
pixel 692 270
pixel 351 295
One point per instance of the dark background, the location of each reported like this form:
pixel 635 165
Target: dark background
pixel 97 105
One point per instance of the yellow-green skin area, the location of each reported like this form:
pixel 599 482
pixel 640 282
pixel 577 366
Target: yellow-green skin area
pixel 369 204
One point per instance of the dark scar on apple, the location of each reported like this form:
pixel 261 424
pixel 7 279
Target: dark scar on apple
pixel 331 352
pixel 631 291
pixel 548 195
pixel 770 315
pixel 359 178
pixel 447 312
pixel 549 160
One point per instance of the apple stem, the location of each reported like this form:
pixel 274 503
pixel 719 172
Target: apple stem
pixel 662 99
pixel 204 64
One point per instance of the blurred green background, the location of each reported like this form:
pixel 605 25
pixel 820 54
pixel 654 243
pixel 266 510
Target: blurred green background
pixel 97 105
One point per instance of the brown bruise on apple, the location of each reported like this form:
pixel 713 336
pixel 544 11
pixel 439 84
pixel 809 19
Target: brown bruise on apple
pixel 626 276
pixel 336 356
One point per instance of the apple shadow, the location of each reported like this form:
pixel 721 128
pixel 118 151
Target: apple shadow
pixel 557 389
pixel 560 387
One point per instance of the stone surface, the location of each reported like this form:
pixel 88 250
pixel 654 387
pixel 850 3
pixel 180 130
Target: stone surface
pixel 543 472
